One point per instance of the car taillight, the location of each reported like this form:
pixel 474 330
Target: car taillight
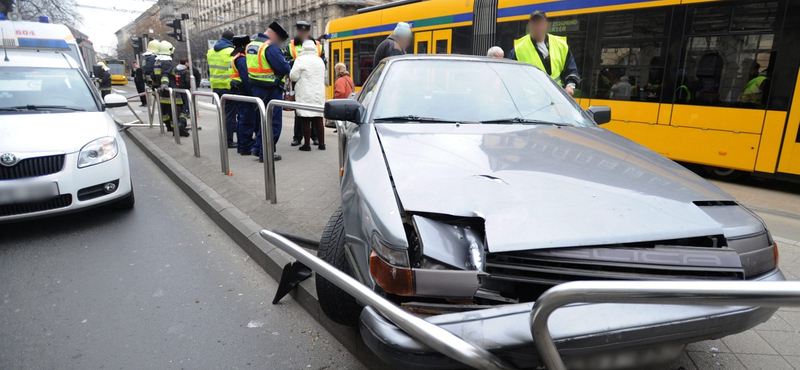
pixel 392 279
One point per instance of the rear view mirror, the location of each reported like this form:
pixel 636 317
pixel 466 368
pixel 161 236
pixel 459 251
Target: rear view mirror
pixel 115 101
pixel 600 114
pixel 344 110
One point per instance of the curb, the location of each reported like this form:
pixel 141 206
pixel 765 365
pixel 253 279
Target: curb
pixel 244 231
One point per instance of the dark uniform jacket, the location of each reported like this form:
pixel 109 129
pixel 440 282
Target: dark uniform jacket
pixel 386 49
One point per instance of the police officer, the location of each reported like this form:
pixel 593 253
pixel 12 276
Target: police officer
pixel 240 85
pixel 550 53
pixel 164 75
pixel 219 68
pixel 293 49
pixel 266 68
pixel 104 79
pixel 753 94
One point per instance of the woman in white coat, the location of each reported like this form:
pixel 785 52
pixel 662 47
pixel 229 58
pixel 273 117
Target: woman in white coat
pixel 309 73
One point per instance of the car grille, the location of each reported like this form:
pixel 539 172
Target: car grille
pixel 22 208
pixel 33 167
pixel 530 268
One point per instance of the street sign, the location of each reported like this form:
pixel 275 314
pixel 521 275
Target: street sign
pixel 211 43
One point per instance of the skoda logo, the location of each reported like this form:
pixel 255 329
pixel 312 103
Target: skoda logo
pixel 8 159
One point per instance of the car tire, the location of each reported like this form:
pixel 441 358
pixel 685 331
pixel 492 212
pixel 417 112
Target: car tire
pixel 127 202
pixel 726 174
pixel 337 305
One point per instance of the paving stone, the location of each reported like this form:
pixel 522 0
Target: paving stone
pixel 709 361
pixel 764 362
pixel 709 346
pixel 786 343
pixel 748 342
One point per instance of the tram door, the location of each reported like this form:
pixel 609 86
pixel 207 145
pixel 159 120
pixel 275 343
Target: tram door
pixel 341 52
pixel 433 42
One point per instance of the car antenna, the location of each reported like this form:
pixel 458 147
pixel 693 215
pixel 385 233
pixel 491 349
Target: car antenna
pixel 3 34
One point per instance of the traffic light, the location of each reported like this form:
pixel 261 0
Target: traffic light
pixel 176 32
pixel 137 45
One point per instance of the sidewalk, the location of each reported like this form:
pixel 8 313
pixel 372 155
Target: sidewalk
pixel 308 193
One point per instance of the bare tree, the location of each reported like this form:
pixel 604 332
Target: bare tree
pixel 59 11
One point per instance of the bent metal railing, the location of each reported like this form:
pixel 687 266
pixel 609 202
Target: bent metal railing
pixel 223 141
pixel 432 335
pixel 176 118
pixel 705 293
pixel 702 293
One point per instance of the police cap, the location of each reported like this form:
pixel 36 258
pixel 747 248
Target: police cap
pixel 278 29
pixel 302 26
pixel 538 14
pixel 241 40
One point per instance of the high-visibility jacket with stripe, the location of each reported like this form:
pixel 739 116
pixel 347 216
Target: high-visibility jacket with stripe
pixel 687 94
pixel 558 49
pixel 235 72
pixel 258 68
pixel 295 50
pixel 752 91
pixel 219 67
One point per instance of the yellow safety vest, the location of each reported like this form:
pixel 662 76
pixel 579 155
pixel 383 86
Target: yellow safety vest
pixel 558 49
pixel 258 68
pixel 235 75
pixel 219 68
pixel 688 98
pixel 752 91
pixel 295 50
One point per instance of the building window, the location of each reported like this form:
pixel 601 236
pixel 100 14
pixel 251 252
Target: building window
pixel 729 56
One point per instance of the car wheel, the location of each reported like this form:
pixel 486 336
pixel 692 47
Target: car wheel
pixel 339 306
pixel 724 173
pixel 126 202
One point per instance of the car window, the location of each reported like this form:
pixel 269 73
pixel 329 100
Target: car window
pixel 368 91
pixel 46 87
pixel 474 91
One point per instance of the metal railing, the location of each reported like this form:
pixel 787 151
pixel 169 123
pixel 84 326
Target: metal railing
pixel 701 293
pixel 430 334
pixel 176 118
pixel 223 141
pixel 138 121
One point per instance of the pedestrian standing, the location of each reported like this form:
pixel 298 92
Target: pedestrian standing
pixel 622 89
pixel 104 80
pixel 395 44
pixel 267 68
pixel 344 84
pixel 495 52
pixel 240 85
pixel 549 53
pixel 308 72
pixel 183 80
pixel 197 77
pixel 220 71
pixel 138 80
pixel 293 49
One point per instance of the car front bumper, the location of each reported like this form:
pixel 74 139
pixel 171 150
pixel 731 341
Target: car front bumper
pixel 614 335
pixel 71 180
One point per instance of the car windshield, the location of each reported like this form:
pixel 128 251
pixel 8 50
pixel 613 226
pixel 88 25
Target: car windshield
pixel 449 91
pixel 31 89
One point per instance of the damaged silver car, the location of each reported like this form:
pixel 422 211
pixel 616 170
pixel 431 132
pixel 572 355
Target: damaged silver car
pixel 472 185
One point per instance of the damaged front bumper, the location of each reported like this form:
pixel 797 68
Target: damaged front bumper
pixel 586 334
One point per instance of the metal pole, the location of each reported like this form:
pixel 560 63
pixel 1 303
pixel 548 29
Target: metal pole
pixel 193 120
pixel 432 335
pixel 701 293
pixel 223 141
pixel 268 152
pixel 174 118
pixel 160 113
pixel 189 56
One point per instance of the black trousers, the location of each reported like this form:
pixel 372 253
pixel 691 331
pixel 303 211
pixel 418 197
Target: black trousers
pixel 140 89
pixel 298 130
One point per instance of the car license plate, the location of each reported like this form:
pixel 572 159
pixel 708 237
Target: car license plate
pixel 28 192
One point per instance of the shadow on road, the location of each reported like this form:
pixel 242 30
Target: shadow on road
pixel 55 226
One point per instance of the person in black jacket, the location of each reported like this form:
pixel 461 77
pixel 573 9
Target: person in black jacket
pixel 183 80
pixel 197 77
pixel 104 80
pixel 395 44
pixel 138 80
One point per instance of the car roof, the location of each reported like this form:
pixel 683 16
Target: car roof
pixel 38 58
pixel 450 57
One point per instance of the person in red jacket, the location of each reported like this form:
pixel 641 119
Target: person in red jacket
pixel 344 84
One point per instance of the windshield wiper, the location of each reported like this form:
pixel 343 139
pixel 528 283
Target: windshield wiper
pixel 412 118
pixel 43 107
pixel 9 109
pixel 524 120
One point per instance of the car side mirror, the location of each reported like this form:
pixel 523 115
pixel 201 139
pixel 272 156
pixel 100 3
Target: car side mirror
pixel 600 114
pixel 344 110
pixel 115 101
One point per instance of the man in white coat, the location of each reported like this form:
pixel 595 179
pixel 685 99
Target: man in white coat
pixel 308 72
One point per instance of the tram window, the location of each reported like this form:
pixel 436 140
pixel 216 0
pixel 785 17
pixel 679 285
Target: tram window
pixel 462 40
pixel 639 24
pixel 422 47
pixel 629 71
pixel 729 57
pixel 363 58
pixel 441 46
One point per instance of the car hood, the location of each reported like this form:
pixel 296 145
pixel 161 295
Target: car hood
pixel 52 132
pixel 545 186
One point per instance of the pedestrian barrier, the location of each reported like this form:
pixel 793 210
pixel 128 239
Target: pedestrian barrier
pixel 223 141
pixel 706 293
pixel 138 121
pixel 192 117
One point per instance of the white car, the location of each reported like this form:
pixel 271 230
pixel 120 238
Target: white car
pixel 60 150
pixel 205 83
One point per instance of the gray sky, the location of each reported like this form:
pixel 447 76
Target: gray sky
pixel 100 25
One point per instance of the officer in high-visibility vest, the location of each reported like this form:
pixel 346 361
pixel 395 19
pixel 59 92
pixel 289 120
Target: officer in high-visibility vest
pixel 293 49
pixel 219 74
pixel 753 94
pixel 240 85
pixel 266 68
pixel 550 53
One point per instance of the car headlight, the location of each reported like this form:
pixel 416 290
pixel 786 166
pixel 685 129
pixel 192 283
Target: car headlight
pixel 101 150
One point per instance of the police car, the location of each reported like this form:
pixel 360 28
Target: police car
pixel 60 150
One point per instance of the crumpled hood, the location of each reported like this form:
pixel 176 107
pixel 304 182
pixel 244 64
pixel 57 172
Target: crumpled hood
pixel 52 132
pixel 544 186
pixel 222 44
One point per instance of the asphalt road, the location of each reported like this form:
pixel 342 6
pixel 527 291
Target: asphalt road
pixel 158 287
